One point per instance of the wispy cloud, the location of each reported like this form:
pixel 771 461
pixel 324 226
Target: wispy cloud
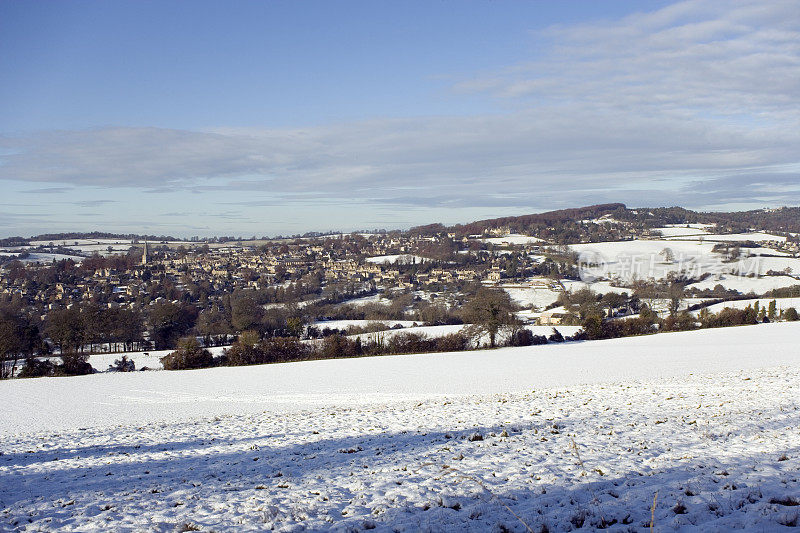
pixel 49 190
pixel 728 58
pixel 93 203
pixel 677 105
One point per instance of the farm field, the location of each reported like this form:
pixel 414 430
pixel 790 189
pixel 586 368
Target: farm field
pixel 553 436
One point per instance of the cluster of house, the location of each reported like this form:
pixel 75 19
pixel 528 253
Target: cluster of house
pixel 784 246
pixel 227 268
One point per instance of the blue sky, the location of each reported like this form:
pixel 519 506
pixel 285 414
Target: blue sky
pixel 260 118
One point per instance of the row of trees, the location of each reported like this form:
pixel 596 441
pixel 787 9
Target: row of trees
pixel 84 327
pixel 489 313
pixel 19 339
pixel 77 331
pixel 250 349
pixel 595 327
pixel 570 225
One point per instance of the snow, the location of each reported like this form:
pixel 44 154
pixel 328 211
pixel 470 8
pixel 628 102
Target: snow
pixel 434 332
pixel 102 249
pixel 605 219
pixel 780 304
pixel 765 251
pixel 344 324
pixel 541 297
pixel 402 259
pixel 477 372
pixel 66 242
pixel 745 284
pixel 741 237
pixel 513 238
pixel 428 331
pixel 762 265
pixel 372 299
pixel 679 231
pixel 636 247
pixel 553 436
pixel 151 360
pixel 643 259
pixel 532 297
pixel 600 287
pixel 37 257
pixel 100 246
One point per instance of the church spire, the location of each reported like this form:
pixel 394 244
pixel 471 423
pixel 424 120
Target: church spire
pixel 144 254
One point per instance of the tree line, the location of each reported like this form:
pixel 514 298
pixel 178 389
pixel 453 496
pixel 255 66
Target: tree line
pixel 648 322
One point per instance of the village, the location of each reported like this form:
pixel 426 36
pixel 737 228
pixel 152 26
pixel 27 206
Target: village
pixel 379 262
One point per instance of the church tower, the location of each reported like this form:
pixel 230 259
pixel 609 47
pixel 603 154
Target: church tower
pixel 144 254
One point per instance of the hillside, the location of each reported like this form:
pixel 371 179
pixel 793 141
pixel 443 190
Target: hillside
pixel 552 437
pixel 785 219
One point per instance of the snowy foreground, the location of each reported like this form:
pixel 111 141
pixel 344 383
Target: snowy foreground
pixel 705 424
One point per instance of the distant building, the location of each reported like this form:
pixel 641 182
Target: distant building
pixel 553 317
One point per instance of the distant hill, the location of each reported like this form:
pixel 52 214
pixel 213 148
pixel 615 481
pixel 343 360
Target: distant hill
pixel 781 220
pixel 549 218
pixel 785 219
pixel 100 235
pixel 579 224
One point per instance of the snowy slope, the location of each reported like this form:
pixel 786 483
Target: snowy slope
pixel 402 259
pixel 556 437
pixel 513 239
pixel 344 324
pixel 141 397
pixel 740 237
pixel 43 257
pixel 681 231
pixel 643 259
pixel 435 332
pixel 762 265
pixel 150 360
pixel 744 284
pixel 780 304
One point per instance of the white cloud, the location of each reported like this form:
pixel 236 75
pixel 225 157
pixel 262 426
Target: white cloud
pixel 701 56
pixel 641 110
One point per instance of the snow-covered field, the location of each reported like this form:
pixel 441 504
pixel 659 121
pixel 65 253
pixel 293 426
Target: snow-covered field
pixel 600 287
pixel 435 332
pixel 372 299
pixel 76 243
pixel 762 265
pixel 513 239
pixel 682 230
pixel 559 437
pixel 150 360
pixel 744 284
pixel 643 259
pixel 738 237
pixel 402 259
pixel 541 297
pixel 103 247
pixel 532 297
pixel 780 304
pixel 44 257
pixel 344 324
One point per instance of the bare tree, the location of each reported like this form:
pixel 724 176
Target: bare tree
pixel 489 312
